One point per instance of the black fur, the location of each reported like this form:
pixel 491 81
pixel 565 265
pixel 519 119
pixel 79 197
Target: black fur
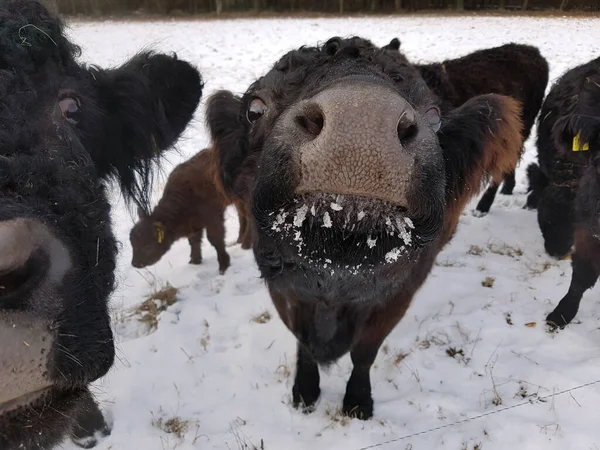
pixel 333 291
pixel 565 183
pixel 55 171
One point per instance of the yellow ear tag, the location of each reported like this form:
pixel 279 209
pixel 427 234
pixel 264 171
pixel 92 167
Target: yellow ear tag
pixel 577 144
pixel 161 236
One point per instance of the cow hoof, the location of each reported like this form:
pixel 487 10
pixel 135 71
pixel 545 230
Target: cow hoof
pixel 196 261
pixel 558 319
pixel 306 402
pixel 358 408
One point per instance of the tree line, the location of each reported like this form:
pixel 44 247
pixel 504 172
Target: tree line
pixel 190 7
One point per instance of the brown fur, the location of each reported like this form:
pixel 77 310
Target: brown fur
pixel 500 156
pixel 193 199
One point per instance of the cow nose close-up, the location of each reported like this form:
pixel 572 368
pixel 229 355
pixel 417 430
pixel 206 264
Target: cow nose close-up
pixel 355 140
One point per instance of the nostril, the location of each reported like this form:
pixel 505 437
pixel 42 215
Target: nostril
pixel 407 128
pixel 406 133
pixel 23 264
pixel 18 280
pixel 312 120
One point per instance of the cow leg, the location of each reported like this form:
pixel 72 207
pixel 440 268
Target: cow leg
pixel 509 183
pixel 306 390
pixel 195 241
pixel 586 265
pixel 89 425
pixel 485 203
pixel 243 220
pixel 215 232
pixel 358 401
pixel 247 237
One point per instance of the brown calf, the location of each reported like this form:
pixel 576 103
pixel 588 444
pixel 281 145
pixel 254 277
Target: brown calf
pixel 192 201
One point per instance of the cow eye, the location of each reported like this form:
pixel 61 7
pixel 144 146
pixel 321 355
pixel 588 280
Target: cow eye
pixel 434 118
pixel 256 109
pixel 70 106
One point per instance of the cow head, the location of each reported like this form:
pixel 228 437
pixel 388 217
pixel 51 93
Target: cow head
pixel 65 130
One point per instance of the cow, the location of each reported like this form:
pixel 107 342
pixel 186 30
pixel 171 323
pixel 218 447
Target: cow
pixel 515 70
pixel 564 185
pixel 67 130
pixel 358 180
pixel 192 201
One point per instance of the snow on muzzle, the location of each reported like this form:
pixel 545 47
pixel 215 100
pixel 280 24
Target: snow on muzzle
pixel 32 264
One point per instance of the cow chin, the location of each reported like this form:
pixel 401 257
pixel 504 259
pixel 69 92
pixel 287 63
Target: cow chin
pixel 47 415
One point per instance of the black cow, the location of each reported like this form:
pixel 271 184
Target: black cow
pixel 65 130
pixel 358 181
pixel 565 187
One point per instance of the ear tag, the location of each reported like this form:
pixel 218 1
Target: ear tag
pixel 161 235
pixel 577 144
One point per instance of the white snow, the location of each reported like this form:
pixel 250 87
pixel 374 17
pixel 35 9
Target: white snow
pixel 371 242
pixel 300 215
pixel 327 220
pixel 230 377
pixel 393 255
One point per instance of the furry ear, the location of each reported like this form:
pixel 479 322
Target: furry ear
pixel 159 230
pixel 146 104
pixel 480 140
pixel 31 36
pixel 579 131
pixel 229 133
pixel 393 45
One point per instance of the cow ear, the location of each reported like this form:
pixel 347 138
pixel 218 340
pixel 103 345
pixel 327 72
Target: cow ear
pixel 159 231
pixel 578 132
pixel 394 44
pixel 146 104
pixel 480 139
pixel 228 129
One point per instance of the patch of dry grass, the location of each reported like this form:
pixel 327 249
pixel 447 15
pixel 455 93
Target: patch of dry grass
pixel 158 302
pixel 488 282
pixel 475 250
pixel 263 317
pixel 205 339
pixel 505 250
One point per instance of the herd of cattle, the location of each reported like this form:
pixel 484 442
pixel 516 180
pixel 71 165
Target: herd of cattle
pixel 349 167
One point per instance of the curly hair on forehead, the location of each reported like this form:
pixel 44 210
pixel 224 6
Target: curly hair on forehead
pixel 27 43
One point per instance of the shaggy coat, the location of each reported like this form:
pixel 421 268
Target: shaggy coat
pixel 564 187
pixel 65 130
pixel 516 70
pixel 355 184
pixel 191 202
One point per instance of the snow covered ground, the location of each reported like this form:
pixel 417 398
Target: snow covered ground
pixel 212 376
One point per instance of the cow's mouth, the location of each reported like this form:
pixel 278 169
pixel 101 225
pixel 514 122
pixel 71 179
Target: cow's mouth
pixel 26 401
pixel 338 232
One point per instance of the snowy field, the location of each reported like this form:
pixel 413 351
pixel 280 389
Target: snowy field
pixel 215 375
